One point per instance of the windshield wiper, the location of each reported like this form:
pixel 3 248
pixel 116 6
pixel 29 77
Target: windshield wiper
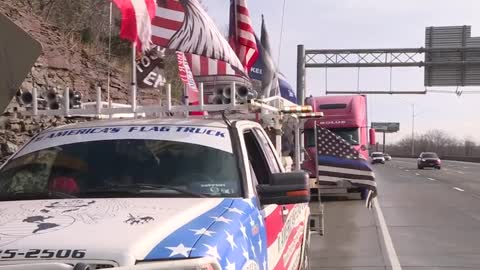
pixel 18 196
pixel 141 189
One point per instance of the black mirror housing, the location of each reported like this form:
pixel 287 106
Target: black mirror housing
pixel 285 188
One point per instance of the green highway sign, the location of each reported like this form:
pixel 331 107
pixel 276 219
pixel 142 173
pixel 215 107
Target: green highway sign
pixel 387 127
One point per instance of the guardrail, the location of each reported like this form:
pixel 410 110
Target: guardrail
pixel 454 158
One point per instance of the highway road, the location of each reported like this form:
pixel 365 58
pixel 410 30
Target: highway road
pixel 432 217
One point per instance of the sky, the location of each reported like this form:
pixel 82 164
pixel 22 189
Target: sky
pixel 356 24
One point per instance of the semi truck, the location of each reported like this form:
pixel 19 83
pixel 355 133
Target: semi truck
pixel 346 117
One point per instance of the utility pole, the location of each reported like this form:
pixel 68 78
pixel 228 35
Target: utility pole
pixel 413 130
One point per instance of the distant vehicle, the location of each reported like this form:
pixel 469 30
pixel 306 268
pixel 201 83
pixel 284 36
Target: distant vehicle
pixel 387 157
pixel 346 116
pixel 429 159
pixel 378 157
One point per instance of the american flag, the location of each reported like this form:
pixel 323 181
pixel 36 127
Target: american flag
pixel 337 159
pixel 184 26
pixel 241 33
pixel 203 66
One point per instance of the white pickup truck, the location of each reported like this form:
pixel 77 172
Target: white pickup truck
pixel 152 194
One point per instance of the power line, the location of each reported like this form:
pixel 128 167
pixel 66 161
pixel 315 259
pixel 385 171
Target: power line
pixel 281 34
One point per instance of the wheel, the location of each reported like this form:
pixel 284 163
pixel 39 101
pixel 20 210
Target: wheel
pixel 439 167
pixel 420 167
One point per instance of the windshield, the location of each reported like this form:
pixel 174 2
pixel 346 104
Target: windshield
pixel 348 134
pixel 86 168
pixel 429 155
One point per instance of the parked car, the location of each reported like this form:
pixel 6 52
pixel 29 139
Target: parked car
pixel 387 157
pixel 378 157
pixel 429 159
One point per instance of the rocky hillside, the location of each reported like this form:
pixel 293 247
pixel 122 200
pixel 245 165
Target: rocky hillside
pixel 64 62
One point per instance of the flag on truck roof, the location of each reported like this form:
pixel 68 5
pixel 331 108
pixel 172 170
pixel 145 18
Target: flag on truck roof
pixel 338 160
pixel 136 23
pixel 286 90
pixel 270 85
pixel 204 66
pixel 184 26
pixel 241 34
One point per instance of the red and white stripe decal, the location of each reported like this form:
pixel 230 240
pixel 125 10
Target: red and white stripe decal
pixel 168 20
pixel 285 238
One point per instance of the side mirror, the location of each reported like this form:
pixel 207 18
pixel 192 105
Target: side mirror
pixel 372 136
pixel 285 188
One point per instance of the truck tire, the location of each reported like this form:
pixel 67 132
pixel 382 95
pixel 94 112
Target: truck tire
pixel 420 167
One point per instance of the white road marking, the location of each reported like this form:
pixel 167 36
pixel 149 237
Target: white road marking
pixel 465 167
pixel 401 168
pixel 431 179
pixel 407 170
pixel 392 254
pixel 461 172
pixel 459 189
pixel 417 174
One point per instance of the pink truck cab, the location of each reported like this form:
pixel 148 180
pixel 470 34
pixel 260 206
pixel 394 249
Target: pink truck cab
pixel 346 116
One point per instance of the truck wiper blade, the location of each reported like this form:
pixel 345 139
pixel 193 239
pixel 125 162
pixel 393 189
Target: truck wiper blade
pixel 18 196
pixel 142 188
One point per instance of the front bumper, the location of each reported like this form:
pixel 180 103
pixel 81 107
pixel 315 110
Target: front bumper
pixel 187 264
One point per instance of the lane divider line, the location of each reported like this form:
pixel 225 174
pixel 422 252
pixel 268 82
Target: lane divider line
pixel 431 179
pixel 417 174
pixel 461 172
pixel 459 189
pixel 387 239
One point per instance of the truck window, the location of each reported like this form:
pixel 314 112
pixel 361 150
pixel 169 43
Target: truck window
pixel 257 158
pixel 100 165
pixel 268 152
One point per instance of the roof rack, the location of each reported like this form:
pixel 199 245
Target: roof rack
pixel 99 109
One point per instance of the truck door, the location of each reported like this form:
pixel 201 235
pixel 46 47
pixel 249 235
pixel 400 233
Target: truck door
pixel 280 239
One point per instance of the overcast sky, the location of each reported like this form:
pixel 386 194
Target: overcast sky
pixel 337 24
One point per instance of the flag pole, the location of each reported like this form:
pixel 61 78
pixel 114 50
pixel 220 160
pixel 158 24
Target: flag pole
pixel 109 59
pixel 134 80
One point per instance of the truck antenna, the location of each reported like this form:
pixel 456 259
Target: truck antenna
pixel 225 119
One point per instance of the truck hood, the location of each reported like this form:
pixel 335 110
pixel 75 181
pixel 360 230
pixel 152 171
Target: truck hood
pixel 117 230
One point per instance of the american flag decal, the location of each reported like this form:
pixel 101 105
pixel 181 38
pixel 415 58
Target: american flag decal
pixel 184 26
pixel 337 159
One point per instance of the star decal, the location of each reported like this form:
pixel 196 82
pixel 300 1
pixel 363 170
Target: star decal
pixel 203 231
pixel 235 210
pixel 231 240
pixel 252 223
pixel 245 254
pixel 252 247
pixel 260 218
pixel 230 266
pixel 249 202
pixel 260 244
pixel 222 219
pixel 212 251
pixel 244 231
pixel 179 250
pixel 264 264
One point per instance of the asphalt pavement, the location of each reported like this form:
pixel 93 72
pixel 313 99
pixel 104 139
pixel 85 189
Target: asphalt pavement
pixel 432 217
